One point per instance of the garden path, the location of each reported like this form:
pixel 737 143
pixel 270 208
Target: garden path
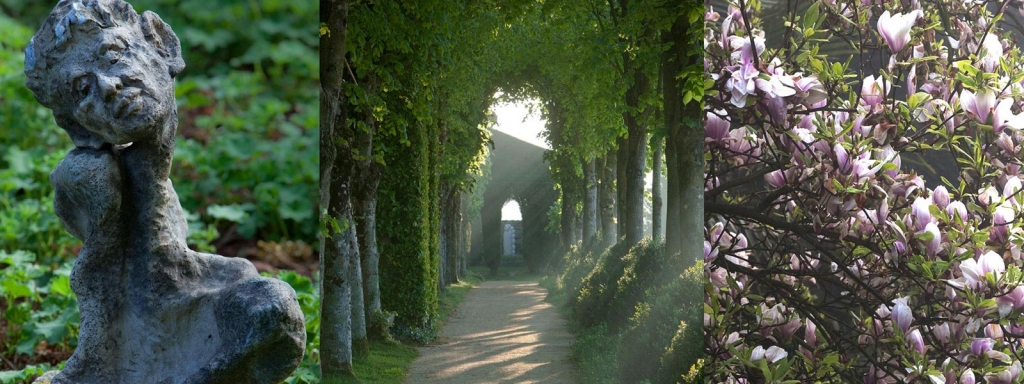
pixel 503 332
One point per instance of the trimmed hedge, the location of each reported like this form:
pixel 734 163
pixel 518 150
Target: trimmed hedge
pixel 653 344
pixel 639 317
pixel 405 236
pixel 611 292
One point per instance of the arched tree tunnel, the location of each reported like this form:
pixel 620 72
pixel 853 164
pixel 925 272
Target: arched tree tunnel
pixel 519 172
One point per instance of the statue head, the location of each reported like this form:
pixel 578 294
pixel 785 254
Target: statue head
pixel 105 71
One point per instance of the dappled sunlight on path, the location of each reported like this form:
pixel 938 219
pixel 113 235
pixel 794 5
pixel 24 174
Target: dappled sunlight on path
pixel 503 332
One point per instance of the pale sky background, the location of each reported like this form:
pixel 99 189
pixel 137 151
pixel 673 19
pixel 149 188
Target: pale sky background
pixel 516 120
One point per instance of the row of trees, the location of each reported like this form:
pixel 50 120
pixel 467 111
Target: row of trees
pixel 405 93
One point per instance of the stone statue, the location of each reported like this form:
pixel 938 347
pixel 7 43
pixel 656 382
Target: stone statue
pixel 152 311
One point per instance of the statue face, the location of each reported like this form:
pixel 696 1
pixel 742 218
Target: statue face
pixel 118 87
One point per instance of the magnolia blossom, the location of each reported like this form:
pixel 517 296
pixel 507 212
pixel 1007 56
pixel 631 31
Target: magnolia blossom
pixel 1011 187
pixel 957 209
pixel 1003 117
pixel 975 271
pixel 933 243
pixel 901 314
pixel 978 105
pixel 993 51
pixel 941 332
pixel 776 178
pixel 940 197
pixel 772 354
pixel 1011 301
pixel 915 340
pixel 715 128
pixel 710 253
pixel 921 211
pixel 895 29
pixel 741 84
pixel 981 346
pixel 1001 219
pixel 1007 376
pixel 967 377
pixel 873 91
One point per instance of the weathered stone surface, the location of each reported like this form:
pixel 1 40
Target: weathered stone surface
pixel 153 311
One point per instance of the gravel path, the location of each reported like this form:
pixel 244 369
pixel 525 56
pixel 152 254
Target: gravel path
pixel 503 332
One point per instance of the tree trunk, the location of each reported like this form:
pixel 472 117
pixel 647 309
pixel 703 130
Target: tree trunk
pixel 609 233
pixel 590 203
pixel 448 236
pixel 337 249
pixel 636 162
pixel 360 346
pixel 465 234
pixel 685 231
pixel 673 215
pixel 454 223
pixel 364 203
pixel 656 190
pixel 621 158
pixel 370 254
pixel 568 217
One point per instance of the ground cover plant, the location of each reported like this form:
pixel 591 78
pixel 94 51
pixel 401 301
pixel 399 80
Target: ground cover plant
pixel 830 259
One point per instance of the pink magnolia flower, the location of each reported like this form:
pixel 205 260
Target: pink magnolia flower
pixel 810 335
pixel 710 253
pixel 941 333
pixel 743 51
pixel 981 346
pixel 979 105
pixel 967 377
pixel 1003 117
pixel 994 331
pixel 895 29
pixel 873 91
pixel 957 209
pixel 974 271
pixel 993 50
pixel 940 197
pixel 1007 376
pixel 916 341
pixel 921 213
pixel 934 244
pixel 1005 142
pixel 772 354
pixel 715 128
pixel 1011 187
pixel 776 178
pixel 901 314
pixel 1011 301
pixel 1001 220
pixel 988 196
pixel 809 89
pixel 741 84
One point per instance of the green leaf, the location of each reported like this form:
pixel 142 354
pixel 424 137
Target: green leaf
pixel 14 289
pixel 60 285
pixel 812 16
pixel 233 212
